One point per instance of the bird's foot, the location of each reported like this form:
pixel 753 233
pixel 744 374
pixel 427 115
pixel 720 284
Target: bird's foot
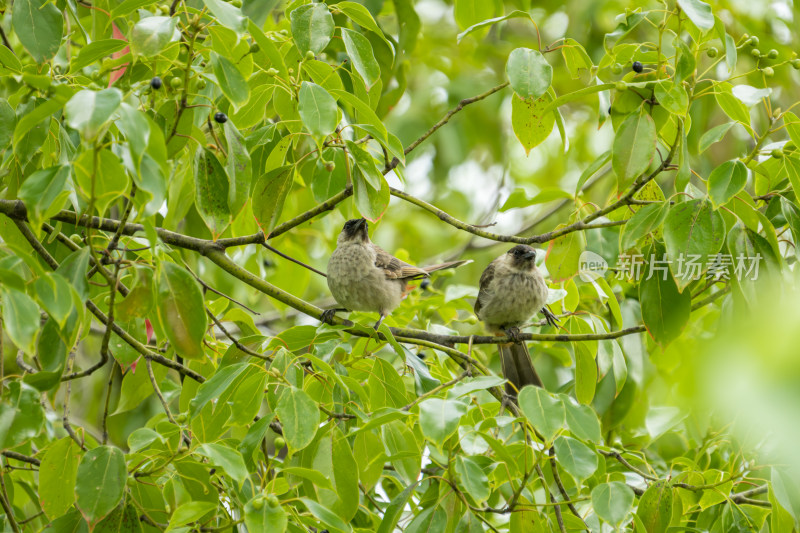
pixel 550 317
pixel 329 314
pixel 379 322
pixel 514 334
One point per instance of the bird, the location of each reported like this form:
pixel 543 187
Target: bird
pixel 511 291
pixel 363 277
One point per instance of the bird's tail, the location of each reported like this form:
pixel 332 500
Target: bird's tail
pixel 517 367
pixel 449 264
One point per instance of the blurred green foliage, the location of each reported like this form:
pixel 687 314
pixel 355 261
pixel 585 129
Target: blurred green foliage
pixel 172 373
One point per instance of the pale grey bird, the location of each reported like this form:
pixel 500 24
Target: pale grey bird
pixel 511 291
pixel 364 277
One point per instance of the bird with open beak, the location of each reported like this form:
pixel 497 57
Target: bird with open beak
pixel 511 291
pixel 364 277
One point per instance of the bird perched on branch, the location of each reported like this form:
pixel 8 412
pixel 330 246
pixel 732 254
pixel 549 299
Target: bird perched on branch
pixel 511 291
pixel 364 277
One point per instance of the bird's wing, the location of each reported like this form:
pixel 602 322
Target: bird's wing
pixel 483 286
pixel 393 268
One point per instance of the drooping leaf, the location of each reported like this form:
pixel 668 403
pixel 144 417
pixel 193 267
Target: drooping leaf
pixel 698 12
pixel 655 507
pixel 181 310
pixel 57 474
pixel 299 416
pixel 39 26
pixel 665 310
pixel 360 51
pixel 233 84
pixel 530 126
pixel 575 457
pixel 634 147
pixel 211 192
pixel 88 111
pixel 312 27
pixel 21 319
pixel 439 418
pixel 269 195
pixel 317 109
pixel 100 482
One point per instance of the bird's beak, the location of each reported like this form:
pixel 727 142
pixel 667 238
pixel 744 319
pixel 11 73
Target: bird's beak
pixel 529 255
pixel 362 223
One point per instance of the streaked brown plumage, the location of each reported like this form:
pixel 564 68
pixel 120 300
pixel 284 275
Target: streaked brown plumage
pixel 511 291
pixel 364 277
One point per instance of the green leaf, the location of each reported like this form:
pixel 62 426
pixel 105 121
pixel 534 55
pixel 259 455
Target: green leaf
pixel 361 16
pixel 123 519
pixel 102 174
pixel 612 501
pixel 792 124
pixel 386 388
pixel 582 421
pixel 360 52
pixel 792 215
pixel 88 111
pixel 181 310
pixel 10 61
pixel 430 520
pixel 529 73
pixel 544 411
pixel 74 268
pixel 563 255
pixel 749 95
pixel 585 374
pixel 215 386
pixel 672 97
pixel 530 127
pixel 695 232
pixel 95 51
pixel 269 195
pixel 317 108
pixel 57 475
pixel 665 310
pixel 21 319
pixel 190 512
pixel 150 35
pixel 731 105
pixel 488 22
pixel 634 147
pixel 655 507
pixel 520 198
pixel 143 437
pixel 211 192
pixel 326 516
pixel 726 181
pixel 646 220
pixel 698 12
pixel 395 509
pixel 371 202
pixel 239 168
pixel 55 295
pixel 227 14
pixel 576 58
pixel 469 12
pixel 575 457
pixel 712 136
pixel 39 26
pixel 228 459
pixel 44 193
pixel 299 416
pixel 100 482
pixel 260 516
pixel 233 84
pixel 439 419
pixel 312 27
pixel 21 415
pixel 472 479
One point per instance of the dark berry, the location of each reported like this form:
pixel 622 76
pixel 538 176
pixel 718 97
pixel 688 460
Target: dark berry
pixel 637 66
pixel 424 284
pixel 156 83
pixel 221 118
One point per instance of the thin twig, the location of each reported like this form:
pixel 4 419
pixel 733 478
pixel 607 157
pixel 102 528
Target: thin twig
pixel 293 260
pixel 157 390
